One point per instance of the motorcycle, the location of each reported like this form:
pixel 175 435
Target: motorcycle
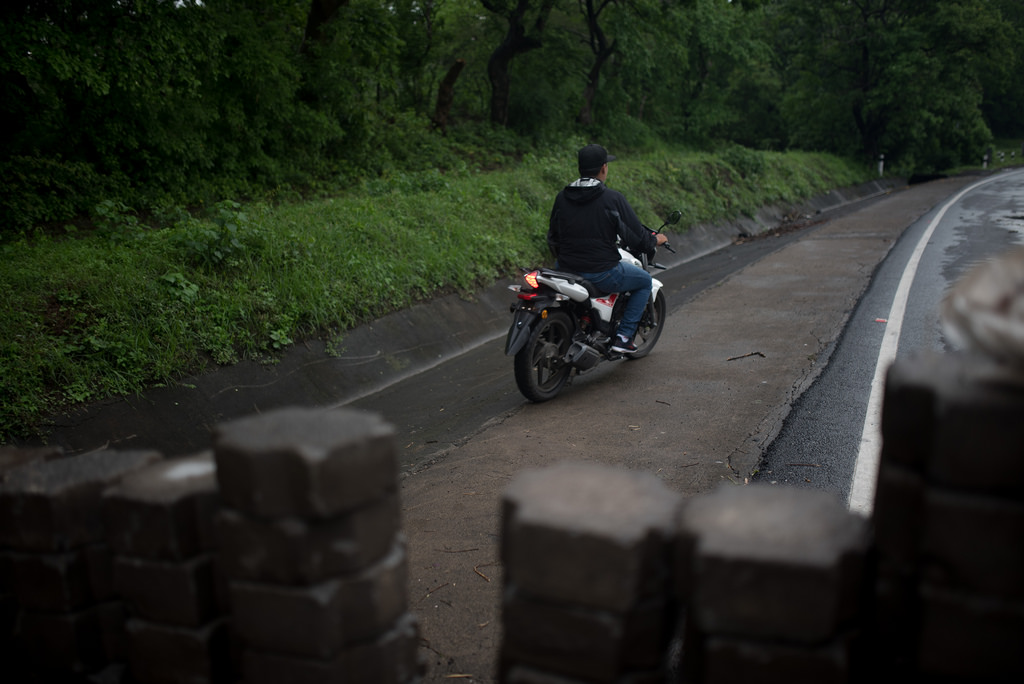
pixel 562 324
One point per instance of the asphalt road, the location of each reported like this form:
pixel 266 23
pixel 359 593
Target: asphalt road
pixel 819 443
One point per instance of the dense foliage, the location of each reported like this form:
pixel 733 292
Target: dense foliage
pixel 159 103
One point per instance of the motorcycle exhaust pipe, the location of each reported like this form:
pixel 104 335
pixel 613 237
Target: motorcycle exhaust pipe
pixel 582 356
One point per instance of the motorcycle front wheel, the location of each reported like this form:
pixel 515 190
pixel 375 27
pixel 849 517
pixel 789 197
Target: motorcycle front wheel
pixel 540 370
pixel 651 325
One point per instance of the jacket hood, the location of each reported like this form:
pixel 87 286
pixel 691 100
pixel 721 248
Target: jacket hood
pixel 584 190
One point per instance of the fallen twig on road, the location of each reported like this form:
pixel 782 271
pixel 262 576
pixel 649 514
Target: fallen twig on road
pixel 476 569
pixel 743 356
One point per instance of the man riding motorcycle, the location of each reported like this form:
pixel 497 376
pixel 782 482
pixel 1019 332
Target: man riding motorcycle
pixel 586 221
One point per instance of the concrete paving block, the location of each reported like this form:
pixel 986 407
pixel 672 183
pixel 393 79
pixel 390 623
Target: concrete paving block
pixel 893 624
pixel 908 408
pixel 319 620
pixel 62 641
pixel 112 619
pixel 183 594
pixel 55 505
pixel 301 462
pixel 163 654
pixel 974 544
pixel 899 514
pixel 588 534
pixel 972 637
pixel 299 551
pixel 978 434
pixel 765 561
pixel 12 458
pixel 519 674
pixel 727 660
pixel 62 582
pixel 8 617
pixel 158 512
pixel 6 578
pixel 392 658
pixel 593 644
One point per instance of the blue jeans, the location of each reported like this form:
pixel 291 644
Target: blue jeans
pixel 626 278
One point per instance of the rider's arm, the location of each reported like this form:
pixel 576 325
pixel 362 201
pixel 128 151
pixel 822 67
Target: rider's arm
pixel 553 231
pixel 633 232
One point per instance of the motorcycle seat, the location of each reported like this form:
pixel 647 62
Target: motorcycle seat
pixel 592 290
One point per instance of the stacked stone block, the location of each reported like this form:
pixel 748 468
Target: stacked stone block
pixel 159 524
pixel 58 564
pixel 11 458
pixel 311 546
pixel 949 519
pixel 771 579
pixel 586 553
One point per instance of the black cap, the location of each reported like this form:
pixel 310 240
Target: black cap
pixel 593 157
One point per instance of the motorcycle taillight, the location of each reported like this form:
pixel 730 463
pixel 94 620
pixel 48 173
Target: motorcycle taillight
pixel 531 279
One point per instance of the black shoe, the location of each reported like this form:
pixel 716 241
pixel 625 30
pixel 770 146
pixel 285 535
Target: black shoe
pixel 624 346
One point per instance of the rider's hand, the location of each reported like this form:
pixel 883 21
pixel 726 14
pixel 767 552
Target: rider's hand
pixel 662 238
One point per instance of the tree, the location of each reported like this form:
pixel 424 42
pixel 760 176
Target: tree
pixel 320 13
pixel 526 20
pixel 602 50
pixel 1003 99
pixel 899 77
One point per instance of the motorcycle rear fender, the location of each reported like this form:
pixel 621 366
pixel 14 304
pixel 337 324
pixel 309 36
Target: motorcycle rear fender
pixel 523 322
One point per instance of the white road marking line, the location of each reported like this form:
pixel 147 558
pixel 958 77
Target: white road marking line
pixel 865 474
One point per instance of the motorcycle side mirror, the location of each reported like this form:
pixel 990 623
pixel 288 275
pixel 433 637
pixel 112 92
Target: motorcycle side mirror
pixel 673 218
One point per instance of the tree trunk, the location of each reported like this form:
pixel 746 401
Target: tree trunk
pixel 516 42
pixel 446 95
pixel 586 114
pixel 320 12
pixel 602 52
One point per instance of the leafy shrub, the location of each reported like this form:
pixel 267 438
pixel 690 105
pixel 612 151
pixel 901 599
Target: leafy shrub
pixel 223 240
pixel 35 190
pixel 749 163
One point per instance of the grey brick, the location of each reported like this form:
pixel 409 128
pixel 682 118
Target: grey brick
pixel 974 637
pixel 183 594
pixel 55 505
pixel 908 407
pixel 62 582
pixel 588 534
pixel 974 543
pixel 319 620
pixel 979 435
pixel 589 643
pixel 158 512
pixel 298 551
pixel 62 641
pixel 772 562
pixel 519 674
pixel 305 462
pixel 899 513
pixel 895 616
pixel 12 458
pixel 728 660
pixel 112 617
pixel 391 658
pixel 162 654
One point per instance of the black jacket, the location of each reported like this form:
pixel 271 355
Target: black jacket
pixel 586 219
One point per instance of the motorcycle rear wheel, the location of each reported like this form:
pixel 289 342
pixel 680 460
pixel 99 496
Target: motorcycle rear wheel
pixel 651 325
pixel 539 368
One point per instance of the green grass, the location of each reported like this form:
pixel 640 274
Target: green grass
pixel 124 307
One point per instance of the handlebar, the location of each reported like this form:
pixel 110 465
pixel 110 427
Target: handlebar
pixel 670 220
